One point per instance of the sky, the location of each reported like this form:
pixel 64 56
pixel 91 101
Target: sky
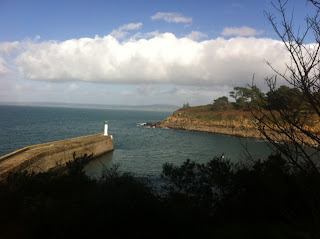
pixel 137 52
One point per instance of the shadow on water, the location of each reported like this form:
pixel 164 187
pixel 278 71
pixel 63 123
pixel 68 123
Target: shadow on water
pixel 95 167
pixel 143 151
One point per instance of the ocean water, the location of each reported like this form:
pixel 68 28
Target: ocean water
pixel 138 149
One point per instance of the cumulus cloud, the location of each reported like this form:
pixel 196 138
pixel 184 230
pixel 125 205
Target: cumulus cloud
pixel 171 17
pixel 121 32
pixel 161 59
pixel 3 68
pixel 8 47
pixel 240 31
pixel 195 35
pixel 146 36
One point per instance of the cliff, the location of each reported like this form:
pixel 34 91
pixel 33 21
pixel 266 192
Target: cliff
pixel 235 122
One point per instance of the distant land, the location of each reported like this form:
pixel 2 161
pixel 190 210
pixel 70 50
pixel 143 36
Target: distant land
pixel 155 107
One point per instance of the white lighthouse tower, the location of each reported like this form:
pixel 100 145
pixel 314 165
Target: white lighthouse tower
pixel 106 127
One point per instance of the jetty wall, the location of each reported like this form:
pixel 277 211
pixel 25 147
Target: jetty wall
pixel 42 157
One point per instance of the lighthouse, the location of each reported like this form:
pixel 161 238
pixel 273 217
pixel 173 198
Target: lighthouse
pixel 106 127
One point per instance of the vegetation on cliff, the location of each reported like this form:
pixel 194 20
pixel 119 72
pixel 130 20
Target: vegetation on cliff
pixel 252 100
pixel 252 114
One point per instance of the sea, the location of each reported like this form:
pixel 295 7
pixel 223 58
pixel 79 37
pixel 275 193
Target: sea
pixel 138 149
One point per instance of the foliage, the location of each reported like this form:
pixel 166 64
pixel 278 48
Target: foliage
pixel 220 103
pixel 240 94
pixel 187 105
pixel 256 96
pixel 246 96
pixel 283 97
pixel 264 199
pixel 76 166
pixel 265 192
pixel 68 204
pixel 287 113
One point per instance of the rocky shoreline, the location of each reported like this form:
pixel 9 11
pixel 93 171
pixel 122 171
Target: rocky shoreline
pixel 204 126
pixel 240 128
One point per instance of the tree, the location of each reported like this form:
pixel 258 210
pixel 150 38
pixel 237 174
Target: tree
pixel 256 95
pixel 284 98
pixel 220 103
pixel 187 105
pixel 240 94
pixel 266 191
pixel 245 96
pixel 291 119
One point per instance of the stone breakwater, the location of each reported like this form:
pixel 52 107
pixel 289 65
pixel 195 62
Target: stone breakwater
pixel 42 157
pixel 218 127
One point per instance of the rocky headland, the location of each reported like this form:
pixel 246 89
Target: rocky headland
pixel 230 122
pixel 229 127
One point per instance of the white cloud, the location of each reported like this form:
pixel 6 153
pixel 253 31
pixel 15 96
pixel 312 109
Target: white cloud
pixel 240 31
pixel 171 17
pixel 118 34
pixel 73 87
pixel 153 34
pixel 140 35
pixel 195 35
pixel 178 95
pixel 8 47
pixel 161 59
pixel 6 50
pixel 3 68
pixel 121 32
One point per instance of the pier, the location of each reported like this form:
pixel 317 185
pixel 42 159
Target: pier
pixel 42 157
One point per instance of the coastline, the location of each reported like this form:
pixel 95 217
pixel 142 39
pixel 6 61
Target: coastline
pixel 183 124
pixel 239 128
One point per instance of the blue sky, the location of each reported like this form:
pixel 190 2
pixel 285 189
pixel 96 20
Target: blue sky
pixel 135 52
pixel 62 20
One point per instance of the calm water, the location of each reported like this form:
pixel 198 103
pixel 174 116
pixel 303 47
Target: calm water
pixel 137 149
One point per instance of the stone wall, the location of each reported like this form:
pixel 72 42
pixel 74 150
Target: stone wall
pixel 41 158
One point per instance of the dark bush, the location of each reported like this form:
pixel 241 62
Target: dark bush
pixel 264 199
